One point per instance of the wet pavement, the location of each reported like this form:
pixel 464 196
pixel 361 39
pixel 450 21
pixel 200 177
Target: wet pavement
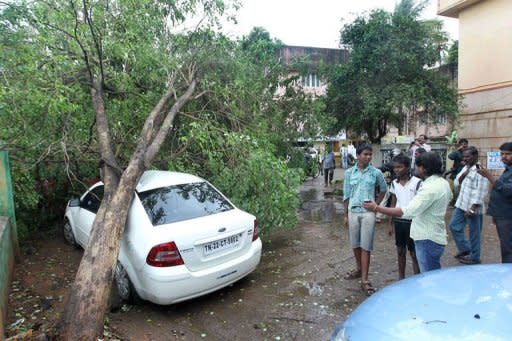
pixel 296 293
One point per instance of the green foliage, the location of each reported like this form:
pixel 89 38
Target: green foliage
pixel 273 189
pixel 390 74
pixel 265 186
pixel 311 167
pixel 254 172
pixel 239 131
pixel 453 53
pixel 236 130
pixel 47 113
pixel 453 138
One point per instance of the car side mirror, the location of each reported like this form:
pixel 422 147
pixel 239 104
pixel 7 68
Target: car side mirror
pixel 74 202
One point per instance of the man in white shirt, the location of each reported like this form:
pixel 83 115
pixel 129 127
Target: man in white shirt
pixel 421 141
pixel 351 150
pixel 344 156
pixel 402 190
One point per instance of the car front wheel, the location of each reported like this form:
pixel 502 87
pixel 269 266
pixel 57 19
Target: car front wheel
pixel 124 286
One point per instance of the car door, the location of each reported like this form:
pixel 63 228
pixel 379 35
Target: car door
pixel 89 206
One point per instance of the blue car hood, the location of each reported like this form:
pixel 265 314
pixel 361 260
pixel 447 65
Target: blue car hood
pixel 460 303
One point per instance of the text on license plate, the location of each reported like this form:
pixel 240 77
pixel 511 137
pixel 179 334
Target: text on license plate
pixel 221 244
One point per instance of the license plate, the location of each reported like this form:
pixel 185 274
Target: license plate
pixel 222 244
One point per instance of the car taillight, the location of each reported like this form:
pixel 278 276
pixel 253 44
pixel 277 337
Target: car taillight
pixel 255 231
pixel 164 255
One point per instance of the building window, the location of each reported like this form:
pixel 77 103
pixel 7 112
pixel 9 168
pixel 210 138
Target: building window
pixel 437 120
pixel 440 120
pixel 311 81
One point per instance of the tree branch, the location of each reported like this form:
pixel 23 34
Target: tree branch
pixel 164 129
pixel 102 126
pixel 95 39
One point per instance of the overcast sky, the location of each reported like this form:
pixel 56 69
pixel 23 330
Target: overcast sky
pixel 315 23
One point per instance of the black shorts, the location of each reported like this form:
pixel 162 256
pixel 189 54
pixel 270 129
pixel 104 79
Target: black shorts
pixel 403 234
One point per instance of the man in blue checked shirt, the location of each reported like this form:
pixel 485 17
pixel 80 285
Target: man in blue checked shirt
pixel 469 208
pixel 359 186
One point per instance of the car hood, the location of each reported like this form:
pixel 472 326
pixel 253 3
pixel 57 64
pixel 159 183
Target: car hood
pixel 459 303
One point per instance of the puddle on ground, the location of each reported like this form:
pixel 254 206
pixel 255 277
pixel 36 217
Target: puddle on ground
pixel 320 205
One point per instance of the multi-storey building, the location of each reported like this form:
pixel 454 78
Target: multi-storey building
pixel 484 69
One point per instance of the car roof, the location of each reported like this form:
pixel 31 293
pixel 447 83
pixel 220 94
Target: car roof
pixel 458 303
pixel 156 179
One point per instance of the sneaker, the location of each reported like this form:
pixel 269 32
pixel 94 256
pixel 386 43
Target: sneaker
pixel 469 261
pixel 461 254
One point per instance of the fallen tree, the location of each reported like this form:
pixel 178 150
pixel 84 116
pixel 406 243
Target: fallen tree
pixel 98 45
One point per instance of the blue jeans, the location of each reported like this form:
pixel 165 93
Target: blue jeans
pixel 457 225
pixel 428 254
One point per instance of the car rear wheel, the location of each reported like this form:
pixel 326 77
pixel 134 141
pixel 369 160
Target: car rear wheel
pixel 68 234
pixel 124 286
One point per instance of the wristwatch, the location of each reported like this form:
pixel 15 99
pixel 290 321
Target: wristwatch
pixel 471 211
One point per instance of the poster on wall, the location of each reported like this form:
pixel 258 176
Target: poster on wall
pixel 494 161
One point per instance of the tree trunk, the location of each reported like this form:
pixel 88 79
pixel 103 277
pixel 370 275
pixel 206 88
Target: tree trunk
pixel 88 299
pixel 83 316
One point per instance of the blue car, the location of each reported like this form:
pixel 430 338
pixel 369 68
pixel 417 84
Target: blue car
pixel 459 303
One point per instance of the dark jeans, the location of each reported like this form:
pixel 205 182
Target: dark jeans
pixel 328 175
pixel 428 254
pixel 504 228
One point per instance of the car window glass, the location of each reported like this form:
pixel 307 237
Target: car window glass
pixel 92 200
pixel 181 202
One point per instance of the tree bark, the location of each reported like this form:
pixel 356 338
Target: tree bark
pixel 83 315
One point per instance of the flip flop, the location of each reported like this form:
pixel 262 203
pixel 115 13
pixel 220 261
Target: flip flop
pixel 352 274
pixel 367 287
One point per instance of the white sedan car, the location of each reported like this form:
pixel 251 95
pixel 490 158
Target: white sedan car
pixel 183 238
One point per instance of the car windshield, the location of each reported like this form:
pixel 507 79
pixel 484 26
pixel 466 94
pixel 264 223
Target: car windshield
pixel 181 202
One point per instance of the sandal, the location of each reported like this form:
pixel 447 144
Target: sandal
pixel 367 288
pixel 353 274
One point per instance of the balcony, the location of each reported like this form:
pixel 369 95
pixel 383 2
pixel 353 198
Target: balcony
pixel 452 8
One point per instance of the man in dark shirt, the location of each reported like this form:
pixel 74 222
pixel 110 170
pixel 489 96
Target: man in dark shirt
pixel 456 156
pixel 500 203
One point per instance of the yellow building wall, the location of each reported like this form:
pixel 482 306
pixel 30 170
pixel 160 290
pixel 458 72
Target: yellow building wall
pixel 485 45
pixel 485 70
